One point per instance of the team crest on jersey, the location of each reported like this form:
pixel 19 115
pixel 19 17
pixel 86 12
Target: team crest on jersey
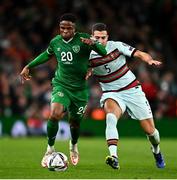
pixel 60 94
pixel 76 48
pixel 58 49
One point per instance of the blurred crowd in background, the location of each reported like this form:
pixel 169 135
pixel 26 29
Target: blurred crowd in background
pixel 26 28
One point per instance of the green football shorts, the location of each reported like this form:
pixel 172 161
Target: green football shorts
pixel 73 101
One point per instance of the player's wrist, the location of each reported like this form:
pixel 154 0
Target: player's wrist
pixel 94 41
pixel 28 66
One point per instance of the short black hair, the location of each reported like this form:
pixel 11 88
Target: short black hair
pixel 99 27
pixel 68 17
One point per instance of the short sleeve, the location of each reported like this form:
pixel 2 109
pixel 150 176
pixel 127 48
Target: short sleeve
pixel 125 49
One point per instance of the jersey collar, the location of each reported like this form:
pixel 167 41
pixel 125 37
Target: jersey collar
pixel 69 39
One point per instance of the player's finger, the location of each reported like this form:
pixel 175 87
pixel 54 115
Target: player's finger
pixel 158 63
pixel 22 79
pixel 85 40
pixel 28 78
pixel 25 78
pixel 88 75
pixel 82 39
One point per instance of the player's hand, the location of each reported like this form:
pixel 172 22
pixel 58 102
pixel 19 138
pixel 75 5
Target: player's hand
pixel 147 58
pixel 154 62
pixel 89 73
pixel 88 41
pixel 25 76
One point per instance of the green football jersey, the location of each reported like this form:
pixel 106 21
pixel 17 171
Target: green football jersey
pixel 72 58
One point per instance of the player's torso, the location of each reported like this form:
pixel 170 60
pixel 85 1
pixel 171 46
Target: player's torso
pixel 71 53
pixel 72 57
pixel 111 70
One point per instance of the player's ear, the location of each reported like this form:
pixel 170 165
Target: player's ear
pixel 74 27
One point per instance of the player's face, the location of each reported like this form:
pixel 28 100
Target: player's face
pixel 67 29
pixel 101 36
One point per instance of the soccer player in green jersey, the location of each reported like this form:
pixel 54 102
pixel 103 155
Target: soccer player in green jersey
pixel 70 91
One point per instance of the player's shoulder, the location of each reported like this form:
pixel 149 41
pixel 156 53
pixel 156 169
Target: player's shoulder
pixel 113 43
pixel 116 45
pixel 82 34
pixel 56 38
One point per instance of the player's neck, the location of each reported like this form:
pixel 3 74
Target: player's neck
pixel 68 40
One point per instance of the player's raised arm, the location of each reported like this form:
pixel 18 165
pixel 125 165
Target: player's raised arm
pixel 146 58
pixel 96 46
pixel 42 58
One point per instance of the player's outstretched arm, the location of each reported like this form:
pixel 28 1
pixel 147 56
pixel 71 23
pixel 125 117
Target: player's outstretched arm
pixel 42 58
pixel 88 41
pixel 97 47
pixel 146 58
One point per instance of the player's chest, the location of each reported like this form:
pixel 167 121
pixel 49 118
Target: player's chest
pixel 68 53
pixel 108 68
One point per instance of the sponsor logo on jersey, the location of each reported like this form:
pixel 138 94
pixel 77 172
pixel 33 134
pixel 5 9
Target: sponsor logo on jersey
pixel 126 45
pixel 76 48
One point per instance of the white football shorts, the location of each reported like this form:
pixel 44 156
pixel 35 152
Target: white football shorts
pixel 132 100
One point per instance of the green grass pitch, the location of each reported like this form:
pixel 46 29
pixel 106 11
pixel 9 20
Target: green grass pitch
pixel 20 158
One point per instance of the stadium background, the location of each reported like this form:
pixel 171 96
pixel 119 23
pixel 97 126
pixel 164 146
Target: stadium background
pixel 26 28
